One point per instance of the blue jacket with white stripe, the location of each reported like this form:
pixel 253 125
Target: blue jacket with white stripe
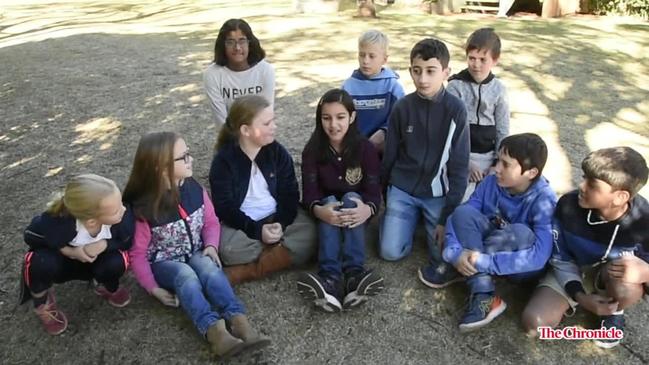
pixel 427 148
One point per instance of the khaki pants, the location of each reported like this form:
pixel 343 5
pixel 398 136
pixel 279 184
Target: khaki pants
pixel 300 238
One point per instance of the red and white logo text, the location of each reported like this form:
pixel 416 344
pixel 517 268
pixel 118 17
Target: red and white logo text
pixel 577 333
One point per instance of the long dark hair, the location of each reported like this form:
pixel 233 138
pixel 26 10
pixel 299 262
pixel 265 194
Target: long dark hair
pixel 319 142
pixel 150 188
pixel 255 52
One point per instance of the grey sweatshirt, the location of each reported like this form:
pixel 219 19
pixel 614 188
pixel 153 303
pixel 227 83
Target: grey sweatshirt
pixel 487 109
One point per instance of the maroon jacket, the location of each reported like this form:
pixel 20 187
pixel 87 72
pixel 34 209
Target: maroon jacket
pixel 320 180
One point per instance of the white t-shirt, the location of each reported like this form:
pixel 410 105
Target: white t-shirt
pixel 83 237
pixel 258 203
pixel 224 85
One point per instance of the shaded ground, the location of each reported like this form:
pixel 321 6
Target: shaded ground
pixel 79 83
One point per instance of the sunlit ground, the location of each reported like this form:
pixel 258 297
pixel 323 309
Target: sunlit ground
pixel 581 83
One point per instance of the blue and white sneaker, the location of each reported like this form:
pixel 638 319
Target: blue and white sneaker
pixel 439 275
pixel 359 286
pixel 483 308
pixel 326 293
pixel 614 320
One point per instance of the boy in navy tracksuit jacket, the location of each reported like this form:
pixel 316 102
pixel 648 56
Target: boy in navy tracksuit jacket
pixel 601 245
pixel 426 155
pixel 504 229
pixel 374 88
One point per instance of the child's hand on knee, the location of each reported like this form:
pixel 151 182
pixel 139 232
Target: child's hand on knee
pixel 95 248
pixel 165 297
pixel 210 251
pixel 597 304
pixel 271 233
pixel 329 214
pixel 629 269
pixel 465 264
pixel 354 217
pixel 77 253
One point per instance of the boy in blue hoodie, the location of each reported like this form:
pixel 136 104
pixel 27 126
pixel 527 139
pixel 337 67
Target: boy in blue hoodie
pixel 505 229
pixel 374 87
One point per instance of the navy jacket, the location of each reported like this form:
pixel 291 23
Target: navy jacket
pixel 230 177
pixel 427 148
pixel 47 231
pixel 580 240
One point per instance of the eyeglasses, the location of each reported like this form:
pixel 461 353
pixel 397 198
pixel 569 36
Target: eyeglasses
pixel 186 157
pixel 241 42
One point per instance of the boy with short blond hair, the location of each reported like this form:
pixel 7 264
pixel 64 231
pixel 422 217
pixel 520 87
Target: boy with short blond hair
pixel 374 87
pixel 601 245
pixel 426 155
pixel 505 229
pixel 485 98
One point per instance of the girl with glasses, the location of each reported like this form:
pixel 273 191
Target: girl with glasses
pixel 174 254
pixel 239 68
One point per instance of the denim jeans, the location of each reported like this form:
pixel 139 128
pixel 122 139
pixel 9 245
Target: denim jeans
pixel 199 284
pixel 336 240
pixel 399 222
pixel 477 232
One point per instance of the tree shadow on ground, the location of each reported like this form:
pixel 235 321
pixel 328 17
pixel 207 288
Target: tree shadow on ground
pixel 80 103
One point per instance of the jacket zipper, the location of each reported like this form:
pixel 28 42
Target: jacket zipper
pixel 477 109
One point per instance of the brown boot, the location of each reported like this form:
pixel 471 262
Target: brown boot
pixel 242 329
pixel 272 259
pixel 222 343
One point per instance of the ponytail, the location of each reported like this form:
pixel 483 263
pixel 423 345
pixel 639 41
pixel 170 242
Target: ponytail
pixel 82 196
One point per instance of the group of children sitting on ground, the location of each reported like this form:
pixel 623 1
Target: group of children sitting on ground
pixel 418 152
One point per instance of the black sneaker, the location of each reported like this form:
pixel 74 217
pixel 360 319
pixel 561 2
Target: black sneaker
pixel 439 275
pixel 608 322
pixel 359 286
pixel 326 293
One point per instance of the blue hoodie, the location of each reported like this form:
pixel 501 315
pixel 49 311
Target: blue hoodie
pixel 374 98
pixel 533 208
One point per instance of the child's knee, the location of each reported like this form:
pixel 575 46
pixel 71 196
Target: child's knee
pixel 391 252
pixel 347 200
pixel 625 294
pixel 464 213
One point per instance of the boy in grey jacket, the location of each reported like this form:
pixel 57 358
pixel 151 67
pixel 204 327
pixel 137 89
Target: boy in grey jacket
pixel 426 156
pixel 486 102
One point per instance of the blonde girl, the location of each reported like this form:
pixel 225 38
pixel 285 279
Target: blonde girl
pixel 83 235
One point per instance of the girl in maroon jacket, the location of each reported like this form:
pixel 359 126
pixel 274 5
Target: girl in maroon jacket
pixel 341 188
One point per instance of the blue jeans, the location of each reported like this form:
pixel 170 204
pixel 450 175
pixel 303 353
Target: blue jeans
pixel 399 222
pixel 477 232
pixel 333 240
pixel 199 284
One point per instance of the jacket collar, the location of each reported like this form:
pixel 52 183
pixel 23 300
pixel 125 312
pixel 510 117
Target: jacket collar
pixel 464 75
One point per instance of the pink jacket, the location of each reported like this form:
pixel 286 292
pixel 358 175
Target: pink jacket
pixel 146 236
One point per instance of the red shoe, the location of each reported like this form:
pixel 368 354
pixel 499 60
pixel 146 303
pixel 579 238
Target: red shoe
pixel 54 321
pixel 120 298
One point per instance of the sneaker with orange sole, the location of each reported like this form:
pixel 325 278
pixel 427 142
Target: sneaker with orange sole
pixel 483 308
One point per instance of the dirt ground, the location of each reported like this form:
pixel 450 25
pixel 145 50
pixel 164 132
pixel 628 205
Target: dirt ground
pixel 80 82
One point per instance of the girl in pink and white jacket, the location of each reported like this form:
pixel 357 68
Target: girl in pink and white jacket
pixel 174 254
